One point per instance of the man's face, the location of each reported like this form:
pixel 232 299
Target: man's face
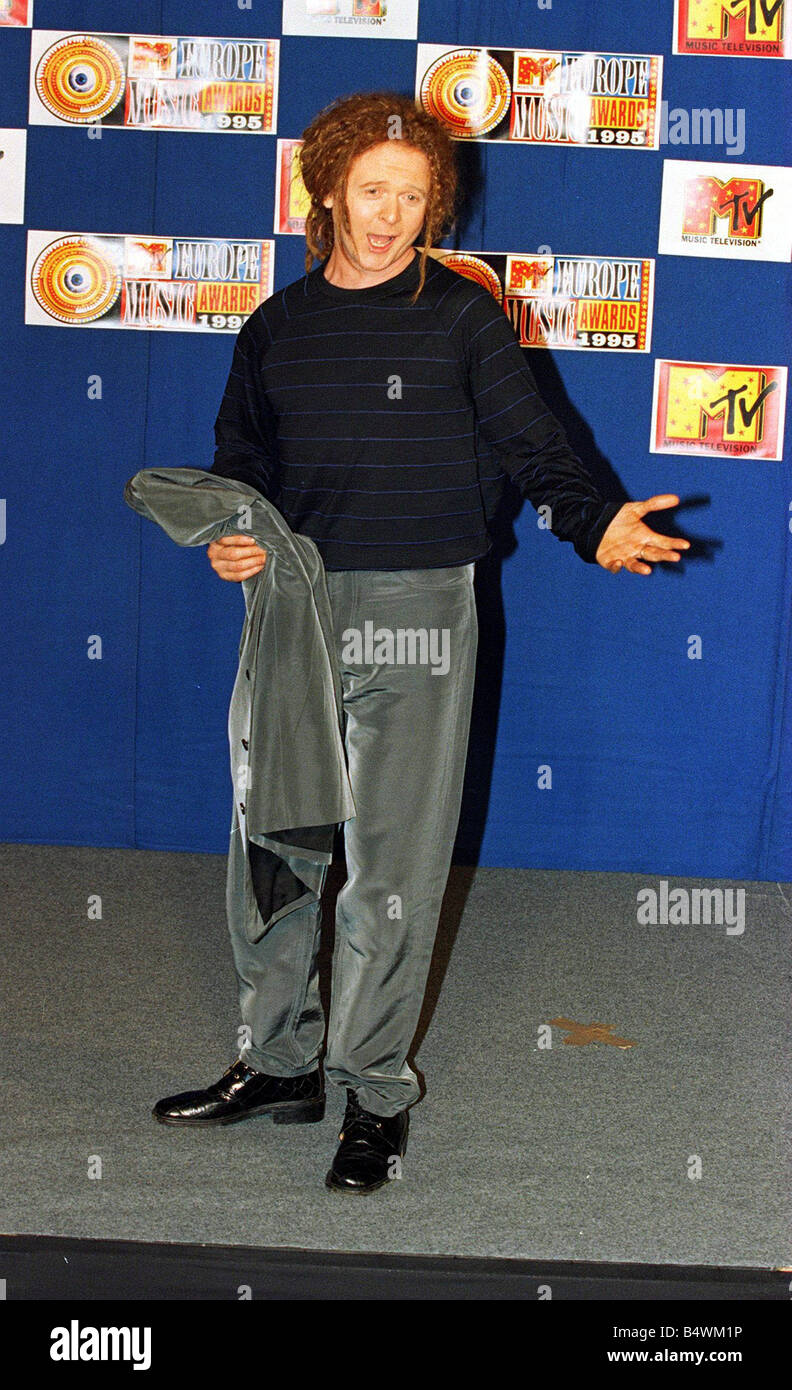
pixel 387 192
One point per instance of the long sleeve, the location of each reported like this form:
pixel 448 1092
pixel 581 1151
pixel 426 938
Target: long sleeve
pixel 245 438
pixel 527 440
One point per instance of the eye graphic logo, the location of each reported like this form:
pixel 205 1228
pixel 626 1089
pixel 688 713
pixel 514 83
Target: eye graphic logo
pixel 468 91
pixel 473 268
pixel 80 78
pixel 75 280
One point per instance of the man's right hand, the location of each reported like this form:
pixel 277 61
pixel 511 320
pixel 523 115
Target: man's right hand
pixel 236 557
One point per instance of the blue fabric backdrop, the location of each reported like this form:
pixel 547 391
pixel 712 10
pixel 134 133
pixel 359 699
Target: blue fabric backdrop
pixel 660 763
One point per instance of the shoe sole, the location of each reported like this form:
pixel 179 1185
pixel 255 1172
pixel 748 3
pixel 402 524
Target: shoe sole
pixel 357 1191
pixel 289 1112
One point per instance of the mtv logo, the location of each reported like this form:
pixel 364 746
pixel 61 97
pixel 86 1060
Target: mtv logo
pixel 731 27
pixel 739 201
pixel 14 12
pixel 147 259
pixel 534 69
pixel 529 277
pixel 744 19
pixel 718 408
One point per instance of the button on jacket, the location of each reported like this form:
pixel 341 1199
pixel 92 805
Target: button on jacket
pixel 288 764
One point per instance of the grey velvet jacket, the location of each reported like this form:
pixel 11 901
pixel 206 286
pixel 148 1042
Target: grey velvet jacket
pixel 288 764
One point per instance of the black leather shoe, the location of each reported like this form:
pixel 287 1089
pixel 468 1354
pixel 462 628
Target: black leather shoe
pixel 369 1144
pixel 240 1092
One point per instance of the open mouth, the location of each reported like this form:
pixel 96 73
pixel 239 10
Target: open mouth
pixel 380 243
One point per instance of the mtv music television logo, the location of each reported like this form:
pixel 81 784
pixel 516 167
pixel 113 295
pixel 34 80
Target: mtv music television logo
pixel 15 13
pixel 740 200
pixel 741 211
pixel 718 408
pixel 733 28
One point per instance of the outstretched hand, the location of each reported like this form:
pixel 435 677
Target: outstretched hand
pixel 628 543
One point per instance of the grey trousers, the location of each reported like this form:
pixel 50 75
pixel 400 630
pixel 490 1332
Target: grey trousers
pixel 406 645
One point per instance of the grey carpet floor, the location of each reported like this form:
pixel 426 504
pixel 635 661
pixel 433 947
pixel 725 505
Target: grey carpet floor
pixel 674 1150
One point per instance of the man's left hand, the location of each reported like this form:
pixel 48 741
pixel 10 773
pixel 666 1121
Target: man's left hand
pixel 628 543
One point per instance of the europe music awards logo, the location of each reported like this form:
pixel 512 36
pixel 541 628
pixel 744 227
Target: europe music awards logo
pixel 575 302
pixel 154 82
pixel 542 97
pixel 124 281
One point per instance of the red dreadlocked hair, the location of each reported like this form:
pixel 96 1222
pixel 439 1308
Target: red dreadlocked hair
pixel 347 128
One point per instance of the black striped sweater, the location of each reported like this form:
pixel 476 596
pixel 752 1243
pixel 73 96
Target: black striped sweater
pixel 360 417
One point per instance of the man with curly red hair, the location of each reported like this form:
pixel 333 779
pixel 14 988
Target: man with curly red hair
pixel 354 405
